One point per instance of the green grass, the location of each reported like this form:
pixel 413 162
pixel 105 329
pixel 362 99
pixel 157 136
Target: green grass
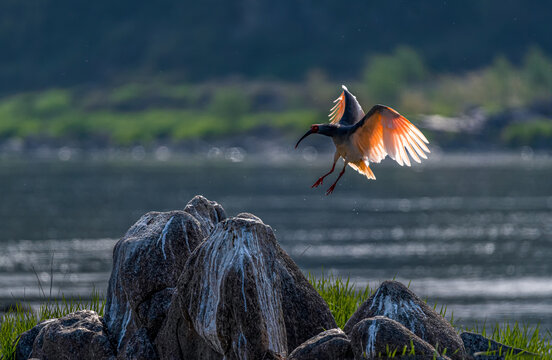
pixel 343 298
pixel 520 336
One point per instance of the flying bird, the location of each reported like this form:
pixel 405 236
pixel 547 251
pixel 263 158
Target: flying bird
pixel 363 138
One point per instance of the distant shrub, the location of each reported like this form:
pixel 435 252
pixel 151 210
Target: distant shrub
pixel 127 92
pixel 499 78
pixel 161 109
pixel 536 132
pixel 52 102
pixel 386 75
pixel 230 105
pixel 537 68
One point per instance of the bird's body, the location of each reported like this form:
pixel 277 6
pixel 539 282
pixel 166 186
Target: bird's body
pixel 347 148
pixel 363 138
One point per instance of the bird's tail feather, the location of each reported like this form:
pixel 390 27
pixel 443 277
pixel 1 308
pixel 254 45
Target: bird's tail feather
pixel 363 168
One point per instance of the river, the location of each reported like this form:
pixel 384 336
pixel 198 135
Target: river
pixel 472 232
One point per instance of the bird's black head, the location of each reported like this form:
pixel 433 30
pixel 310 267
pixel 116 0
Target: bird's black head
pixel 324 129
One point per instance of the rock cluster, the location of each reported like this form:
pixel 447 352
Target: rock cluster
pixel 195 284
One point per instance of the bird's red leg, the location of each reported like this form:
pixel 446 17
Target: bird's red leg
pixel 331 189
pixel 319 181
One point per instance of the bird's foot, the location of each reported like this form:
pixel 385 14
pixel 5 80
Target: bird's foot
pixel 318 182
pixel 330 190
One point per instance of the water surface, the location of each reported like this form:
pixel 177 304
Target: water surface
pixel 471 232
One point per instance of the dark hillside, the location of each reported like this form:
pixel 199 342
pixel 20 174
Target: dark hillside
pixel 45 43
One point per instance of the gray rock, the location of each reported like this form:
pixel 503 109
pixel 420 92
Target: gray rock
pixel 246 215
pixel 395 301
pixel 208 213
pixel 26 340
pixel 245 297
pixel 152 312
pixel 147 262
pixel 80 335
pixel 381 337
pixel 177 340
pixel 482 348
pixel 139 347
pixel 328 345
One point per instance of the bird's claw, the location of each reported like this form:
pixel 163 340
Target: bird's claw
pixel 318 183
pixel 330 190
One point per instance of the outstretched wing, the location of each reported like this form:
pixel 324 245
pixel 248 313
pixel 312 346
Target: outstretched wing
pixel 347 110
pixel 383 131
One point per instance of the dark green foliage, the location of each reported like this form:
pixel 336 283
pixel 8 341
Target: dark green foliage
pixel 385 76
pixel 47 43
pixel 536 133
pixel 538 70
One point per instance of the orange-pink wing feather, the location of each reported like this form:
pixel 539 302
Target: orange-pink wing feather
pixel 336 113
pixel 383 131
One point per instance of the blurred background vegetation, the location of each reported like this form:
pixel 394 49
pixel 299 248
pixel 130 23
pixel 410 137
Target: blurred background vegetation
pixel 473 74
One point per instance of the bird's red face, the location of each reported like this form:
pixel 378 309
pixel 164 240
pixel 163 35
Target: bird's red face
pixel 314 128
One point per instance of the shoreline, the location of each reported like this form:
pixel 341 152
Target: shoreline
pixel 273 155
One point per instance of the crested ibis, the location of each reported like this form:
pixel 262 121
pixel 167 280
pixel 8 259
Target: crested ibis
pixel 363 138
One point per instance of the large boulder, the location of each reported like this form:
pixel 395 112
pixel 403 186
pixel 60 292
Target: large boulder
pixel 80 335
pixel 245 297
pixel 147 263
pixel 328 345
pixel 381 337
pixel 395 301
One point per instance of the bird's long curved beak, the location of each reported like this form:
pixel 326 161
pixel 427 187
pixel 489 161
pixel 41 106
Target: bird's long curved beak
pixel 304 136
